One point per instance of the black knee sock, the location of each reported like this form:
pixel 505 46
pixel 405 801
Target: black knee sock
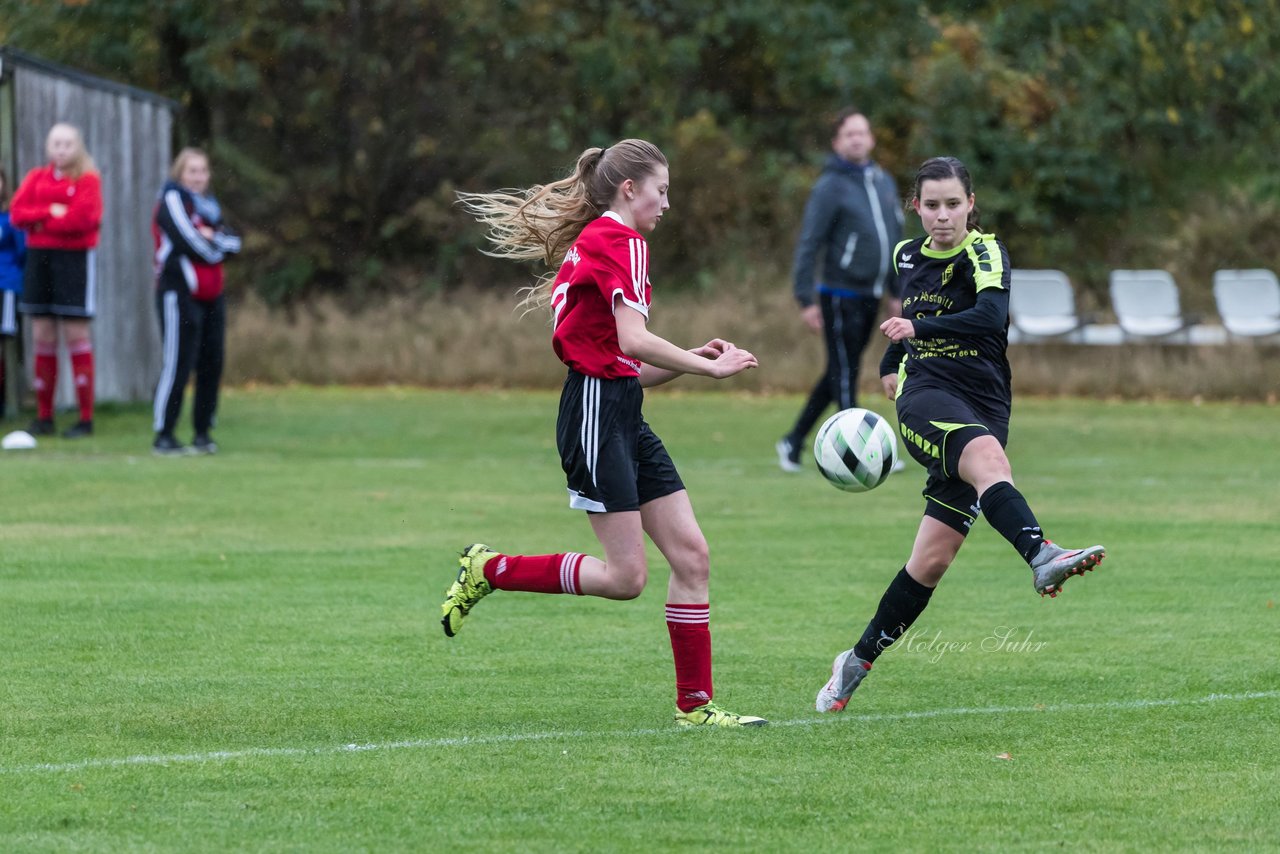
pixel 902 602
pixel 1007 511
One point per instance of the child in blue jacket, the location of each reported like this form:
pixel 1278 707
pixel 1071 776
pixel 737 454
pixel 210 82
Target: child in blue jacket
pixel 13 255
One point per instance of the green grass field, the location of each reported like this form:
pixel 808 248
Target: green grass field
pixel 244 652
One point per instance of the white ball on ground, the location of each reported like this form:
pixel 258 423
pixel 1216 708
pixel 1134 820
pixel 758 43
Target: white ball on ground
pixel 18 440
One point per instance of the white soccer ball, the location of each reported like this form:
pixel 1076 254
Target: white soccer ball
pixel 855 450
pixel 18 440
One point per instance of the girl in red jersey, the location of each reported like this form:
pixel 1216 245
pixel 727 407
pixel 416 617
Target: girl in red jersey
pixel 590 226
pixel 59 205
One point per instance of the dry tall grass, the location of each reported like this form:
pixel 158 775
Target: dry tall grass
pixel 479 339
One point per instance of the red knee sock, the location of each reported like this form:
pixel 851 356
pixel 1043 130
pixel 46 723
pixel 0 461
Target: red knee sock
pixel 690 630
pixel 82 371
pixel 535 573
pixel 46 379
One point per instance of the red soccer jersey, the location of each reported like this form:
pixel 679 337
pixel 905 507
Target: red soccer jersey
pixel 608 260
pixel 45 186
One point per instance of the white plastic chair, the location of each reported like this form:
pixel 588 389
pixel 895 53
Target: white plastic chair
pixel 1042 304
pixel 1248 302
pixel 1146 303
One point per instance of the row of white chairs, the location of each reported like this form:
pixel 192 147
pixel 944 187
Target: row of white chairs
pixel 1147 305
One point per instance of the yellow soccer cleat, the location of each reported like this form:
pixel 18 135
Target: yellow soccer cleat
pixel 469 589
pixel 712 715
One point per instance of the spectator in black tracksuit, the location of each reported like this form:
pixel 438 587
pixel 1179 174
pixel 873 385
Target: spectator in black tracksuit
pixel 191 244
pixel 852 222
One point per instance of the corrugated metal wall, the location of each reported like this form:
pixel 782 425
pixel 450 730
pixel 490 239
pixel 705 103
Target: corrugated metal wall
pixel 129 138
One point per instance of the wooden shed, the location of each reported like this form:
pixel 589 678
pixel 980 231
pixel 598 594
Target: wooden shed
pixel 129 133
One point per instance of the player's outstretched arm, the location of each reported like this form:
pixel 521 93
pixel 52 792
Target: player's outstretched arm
pixel 713 349
pixel 660 354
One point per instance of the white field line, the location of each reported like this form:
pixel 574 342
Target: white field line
pixel 481 740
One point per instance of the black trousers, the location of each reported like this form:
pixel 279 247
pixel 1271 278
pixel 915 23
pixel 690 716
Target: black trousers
pixel 847 323
pixel 193 334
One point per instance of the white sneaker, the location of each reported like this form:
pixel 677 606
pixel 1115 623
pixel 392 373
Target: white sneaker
pixel 899 464
pixel 788 455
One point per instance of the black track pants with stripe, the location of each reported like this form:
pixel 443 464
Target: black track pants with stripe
pixel 193 337
pixel 847 324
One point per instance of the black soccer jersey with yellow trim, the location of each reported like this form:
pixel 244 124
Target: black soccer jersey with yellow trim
pixel 936 284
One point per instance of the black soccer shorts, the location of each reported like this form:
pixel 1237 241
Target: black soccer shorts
pixel 612 461
pixel 59 282
pixel 936 425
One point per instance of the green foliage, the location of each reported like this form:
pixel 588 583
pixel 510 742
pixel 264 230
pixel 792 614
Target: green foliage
pixel 1227 230
pixel 341 128
pixel 1074 116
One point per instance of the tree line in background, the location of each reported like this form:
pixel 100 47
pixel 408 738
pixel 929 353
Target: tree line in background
pixel 1099 134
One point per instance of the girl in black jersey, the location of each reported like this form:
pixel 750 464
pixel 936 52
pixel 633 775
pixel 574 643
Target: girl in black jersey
pixel 947 370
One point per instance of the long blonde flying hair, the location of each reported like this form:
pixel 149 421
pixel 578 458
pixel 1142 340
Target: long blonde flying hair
pixel 82 163
pixel 542 222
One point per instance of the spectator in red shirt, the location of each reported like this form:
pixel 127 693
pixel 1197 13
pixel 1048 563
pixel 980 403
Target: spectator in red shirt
pixel 59 206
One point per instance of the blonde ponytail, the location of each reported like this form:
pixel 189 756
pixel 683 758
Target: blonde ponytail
pixel 543 221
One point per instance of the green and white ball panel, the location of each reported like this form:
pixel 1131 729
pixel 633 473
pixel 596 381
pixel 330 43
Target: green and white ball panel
pixel 855 450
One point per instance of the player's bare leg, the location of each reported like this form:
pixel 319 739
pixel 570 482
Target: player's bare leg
pixel 671 524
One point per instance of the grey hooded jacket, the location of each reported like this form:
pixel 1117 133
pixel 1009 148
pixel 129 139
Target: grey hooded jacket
pixel 854 219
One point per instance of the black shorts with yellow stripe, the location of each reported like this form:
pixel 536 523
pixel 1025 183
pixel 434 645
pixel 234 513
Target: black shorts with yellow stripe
pixel 936 425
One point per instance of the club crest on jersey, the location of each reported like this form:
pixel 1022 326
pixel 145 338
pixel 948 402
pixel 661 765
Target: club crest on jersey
pixel 572 256
pixel 946 274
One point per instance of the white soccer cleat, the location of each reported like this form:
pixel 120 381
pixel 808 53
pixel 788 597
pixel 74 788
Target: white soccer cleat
pixel 847 672
pixel 1053 565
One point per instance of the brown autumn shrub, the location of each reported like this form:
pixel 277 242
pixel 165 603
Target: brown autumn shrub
pixel 479 338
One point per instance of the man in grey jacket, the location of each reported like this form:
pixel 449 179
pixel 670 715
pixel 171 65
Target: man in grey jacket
pixel 852 222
